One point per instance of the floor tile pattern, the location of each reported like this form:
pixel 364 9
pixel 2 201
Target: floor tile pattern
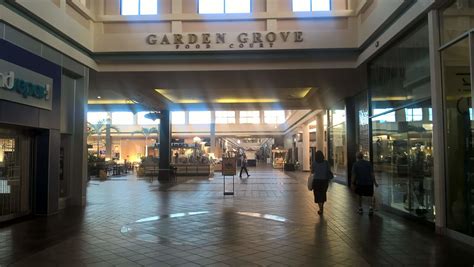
pixel 270 221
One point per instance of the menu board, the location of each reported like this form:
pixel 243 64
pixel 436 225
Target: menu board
pixel 229 166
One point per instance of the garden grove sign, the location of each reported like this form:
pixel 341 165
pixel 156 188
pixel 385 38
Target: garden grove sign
pixel 243 40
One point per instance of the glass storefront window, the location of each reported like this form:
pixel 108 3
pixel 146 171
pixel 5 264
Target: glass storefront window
pixel 459 137
pixel 403 161
pixel 456 19
pixel 399 89
pixel 401 75
pixel 337 137
pixel 337 141
pixel 7 158
pixel 14 176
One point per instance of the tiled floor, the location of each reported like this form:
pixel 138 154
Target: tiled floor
pixel 270 221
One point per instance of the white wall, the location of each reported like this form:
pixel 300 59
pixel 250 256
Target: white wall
pixel 373 15
pixel 98 26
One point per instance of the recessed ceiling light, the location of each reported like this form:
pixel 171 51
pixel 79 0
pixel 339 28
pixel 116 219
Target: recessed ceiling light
pixel 99 97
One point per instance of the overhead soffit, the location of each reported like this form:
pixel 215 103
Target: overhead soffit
pixel 275 89
pixel 233 95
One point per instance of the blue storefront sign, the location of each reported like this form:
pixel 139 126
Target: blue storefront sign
pixel 21 85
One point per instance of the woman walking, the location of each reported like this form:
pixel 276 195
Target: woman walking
pixel 321 176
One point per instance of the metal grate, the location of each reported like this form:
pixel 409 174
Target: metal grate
pixel 10 182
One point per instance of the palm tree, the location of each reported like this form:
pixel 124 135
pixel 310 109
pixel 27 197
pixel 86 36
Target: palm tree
pixel 147 132
pixel 99 128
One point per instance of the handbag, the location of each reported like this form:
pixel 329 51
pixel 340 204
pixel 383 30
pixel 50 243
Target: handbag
pixel 330 175
pixel 310 182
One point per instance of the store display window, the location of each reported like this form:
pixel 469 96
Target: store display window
pixel 402 128
pixel 403 162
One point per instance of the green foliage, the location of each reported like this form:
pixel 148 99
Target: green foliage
pixel 102 126
pixel 146 131
pixel 99 128
pixel 91 158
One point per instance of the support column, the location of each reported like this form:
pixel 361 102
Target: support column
pixel 165 146
pixel 305 146
pixel 351 144
pixel 320 132
pixel 212 131
pixel 108 139
pixel 46 173
pixel 79 156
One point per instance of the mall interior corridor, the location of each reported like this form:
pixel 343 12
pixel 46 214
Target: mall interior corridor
pixel 118 119
pixel 270 221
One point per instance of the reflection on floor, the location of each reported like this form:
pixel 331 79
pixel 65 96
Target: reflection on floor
pixel 270 221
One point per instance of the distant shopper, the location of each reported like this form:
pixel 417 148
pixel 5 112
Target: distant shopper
pixel 321 176
pixel 363 181
pixel 176 157
pixel 243 165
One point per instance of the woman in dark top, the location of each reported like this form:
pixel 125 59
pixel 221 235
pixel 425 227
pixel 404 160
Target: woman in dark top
pixel 321 175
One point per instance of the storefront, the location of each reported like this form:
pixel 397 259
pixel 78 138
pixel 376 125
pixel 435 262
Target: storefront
pixel 362 131
pixel 401 125
pixel 15 151
pixel 42 105
pixel 337 142
pixel 456 64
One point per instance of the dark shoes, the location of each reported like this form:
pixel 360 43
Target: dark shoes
pixel 371 211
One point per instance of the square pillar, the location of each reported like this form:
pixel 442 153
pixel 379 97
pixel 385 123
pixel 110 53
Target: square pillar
pixel 46 173
pixel 306 155
pixel 439 161
pixel 351 143
pixel 165 145
pixel 320 132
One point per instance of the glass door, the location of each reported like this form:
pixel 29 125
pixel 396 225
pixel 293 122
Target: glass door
pixel 14 174
pixel 10 178
pixel 456 64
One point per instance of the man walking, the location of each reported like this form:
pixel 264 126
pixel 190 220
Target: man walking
pixel 243 165
pixel 363 181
